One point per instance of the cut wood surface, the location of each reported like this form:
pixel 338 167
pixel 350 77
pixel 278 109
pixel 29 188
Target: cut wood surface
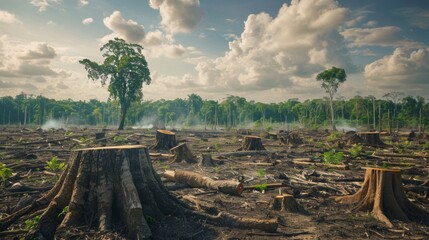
pixel 197 180
pixel 251 143
pixel 382 193
pixel 164 140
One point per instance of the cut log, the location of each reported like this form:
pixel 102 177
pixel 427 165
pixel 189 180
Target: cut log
pixel 383 194
pixel 206 160
pixel 182 153
pixel 286 202
pixel 251 143
pixel 197 180
pixel 371 138
pixel 164 140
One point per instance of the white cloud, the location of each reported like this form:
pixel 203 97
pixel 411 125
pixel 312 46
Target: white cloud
pixel 43 4
pixel 7 17
pixel 39 51
pixel 178 16
pixel 269 55
pixel 83 2
pixel 129 30
pixel 87 21
pixel 157 43
pixel 211 29
pixel 416 17
pixel 404 68
pixel 364 52
pixel 389 36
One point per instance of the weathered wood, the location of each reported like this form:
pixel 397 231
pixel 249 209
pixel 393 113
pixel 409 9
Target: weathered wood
pixel 382 193
pixel 371 138
pixel 244 153
pixel 164 140
pixel 286 202
pixel 206 160
pixel 199 181
pixel 182 153
pixel 251 143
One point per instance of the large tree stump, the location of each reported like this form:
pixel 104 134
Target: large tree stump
pixel 383 194
pixel 251 143
pixel 182 153
pixel 289 138
pixel 165 140
pixel 116 188
pixel 371 138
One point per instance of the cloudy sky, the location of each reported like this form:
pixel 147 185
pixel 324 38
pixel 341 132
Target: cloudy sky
pixel 264 50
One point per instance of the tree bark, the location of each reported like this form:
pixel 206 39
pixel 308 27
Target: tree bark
pixel 165 140
pixel 182 153
pixel 116 188
pixel 122 115
pixel 371 138
pixel 199 181
pixel 251 143
pixel 383 194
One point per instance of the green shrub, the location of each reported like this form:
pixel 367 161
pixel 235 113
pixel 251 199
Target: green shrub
pixel 32 223
pixel 260 172
pixel 333 137
pixel 332 157
pixel 54 165
pixel 5 173
pixel 260 187
pixel 355 150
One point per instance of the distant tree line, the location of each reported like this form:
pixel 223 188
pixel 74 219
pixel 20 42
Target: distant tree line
pixel 392 111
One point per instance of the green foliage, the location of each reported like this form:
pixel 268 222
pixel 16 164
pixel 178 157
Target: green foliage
pixel 217 146
pixel 5 173
pixel 119 140
pixel 312 167
pixel 64 211
pixel 260 187
pixel 216 169
pixel 332 157
pixel 406 144
pixel 32 223
pixel 150 219
pixel 54 165
pixel 333 136
pixel 260 172
pixel 125 68
pixel 355 150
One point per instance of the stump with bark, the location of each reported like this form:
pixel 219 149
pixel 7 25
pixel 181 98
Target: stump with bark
pixel 206 160
pixel 115 188
pixel 371 138
pixel 182 153
pixel 286 202
pixel 100 137
pixel 382 193
pixel 165 140
pixel 251 143
pixel 351 137
pixel 290 138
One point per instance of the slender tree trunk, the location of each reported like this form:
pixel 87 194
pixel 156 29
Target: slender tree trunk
pixel 380 119
pixel 373 112
pixel 331 103
pixel 122 115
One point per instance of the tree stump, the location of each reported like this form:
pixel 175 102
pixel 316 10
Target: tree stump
pixel 206 160
pixel 100 137
pixel 288 138
pixel 165 140
pixel 371 138
pixel 383 194
pixel 115 188
pixel 251 143
pixel 286 202
pixel 182 153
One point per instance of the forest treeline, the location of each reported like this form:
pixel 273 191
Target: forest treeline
pixel 230 112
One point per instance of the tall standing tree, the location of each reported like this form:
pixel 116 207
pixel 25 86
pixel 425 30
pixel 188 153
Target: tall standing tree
pixel 331 79
pixel 125 69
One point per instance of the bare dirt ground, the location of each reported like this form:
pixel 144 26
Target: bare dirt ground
pixel 298 169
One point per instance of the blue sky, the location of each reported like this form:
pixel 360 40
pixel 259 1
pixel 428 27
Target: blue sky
pixel 266 51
